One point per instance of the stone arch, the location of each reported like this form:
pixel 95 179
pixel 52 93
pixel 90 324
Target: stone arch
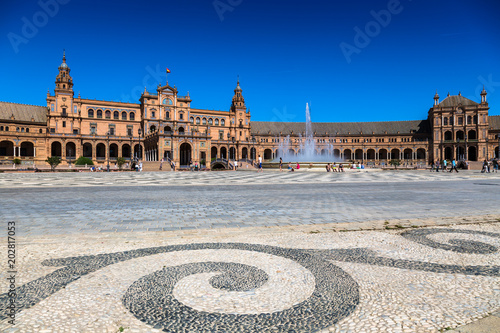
pixel 347 154
pixel 113 151
pixel 448 153
pixel 472 154
pixel 336 153
pixel 420 154
pixel 223 152
pixel 213 152
pixel 126 151
pixel 472 135
pixel 268 154
pixel 70 150
pixel 27 149
pixel 370 154
pixel 56 149
pixel 408 154
pixel 448 135
pixel 100 151
pixel 358 154
pixel 6 148
pixel 460 135
pixel 382 154
pixel 185 153
pixel 244 152
pixel 87 149
pixel 395 154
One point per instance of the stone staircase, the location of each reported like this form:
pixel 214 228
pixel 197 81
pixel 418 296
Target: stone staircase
pixel 155 166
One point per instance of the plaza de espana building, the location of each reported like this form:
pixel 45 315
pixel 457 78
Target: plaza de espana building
pixel 164 125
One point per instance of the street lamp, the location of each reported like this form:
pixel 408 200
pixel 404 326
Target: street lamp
pixel 228 136
pixel 140 147
pixel 131 149
pixel 253 148
pixel 487 155
pixel 107 134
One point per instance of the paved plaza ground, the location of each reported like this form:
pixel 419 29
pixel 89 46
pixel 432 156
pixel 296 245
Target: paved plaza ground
pixel 384 251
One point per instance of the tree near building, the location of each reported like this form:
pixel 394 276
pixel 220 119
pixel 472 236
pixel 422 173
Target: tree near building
pixel 120 161
pixel 53 161
pixel 395 163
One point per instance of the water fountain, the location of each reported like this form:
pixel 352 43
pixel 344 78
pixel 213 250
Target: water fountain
pixel 307 146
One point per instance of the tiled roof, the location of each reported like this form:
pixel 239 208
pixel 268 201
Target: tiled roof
pixel 456 100
pixel 23 112
pixel 391 127
pixel 494 122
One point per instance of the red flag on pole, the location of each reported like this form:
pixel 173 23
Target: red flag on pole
pixel 168 70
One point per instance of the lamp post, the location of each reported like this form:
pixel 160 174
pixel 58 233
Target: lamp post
pixel 253 148
pixel 131 149
pixel 228 136
pixel 69 157
pixel 107 134
pixel 487 155
pixel 140 147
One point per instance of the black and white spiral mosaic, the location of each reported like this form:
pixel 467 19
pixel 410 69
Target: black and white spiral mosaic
pixel 335 296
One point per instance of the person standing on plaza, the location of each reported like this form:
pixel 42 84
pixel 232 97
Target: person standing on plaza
pixel 432 166
pixel 161 164
pixel 172 165
pixel 260 164
pixel 437 166
pixel 281 164
pixel 495 165
pixel 445 163
pixel 453 166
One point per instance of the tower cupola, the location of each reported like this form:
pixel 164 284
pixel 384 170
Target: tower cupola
pixel 64 81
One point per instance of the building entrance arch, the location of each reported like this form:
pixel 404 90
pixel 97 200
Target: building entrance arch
pixel 185 153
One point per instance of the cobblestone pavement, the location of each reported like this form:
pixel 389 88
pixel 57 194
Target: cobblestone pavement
pixel 247 252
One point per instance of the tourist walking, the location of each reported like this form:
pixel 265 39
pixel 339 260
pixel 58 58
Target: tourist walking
pixel 161 164
pixel 437 166
pixel 485 167
pixel 432 166
pixel 260 164
pixel 445 162
pixel 172 165
pixel 453 166
pixel 281 164
pixel 495 165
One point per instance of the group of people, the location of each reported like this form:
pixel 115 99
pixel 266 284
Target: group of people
pixel 338 168
pixel 487 165
pixel 443 165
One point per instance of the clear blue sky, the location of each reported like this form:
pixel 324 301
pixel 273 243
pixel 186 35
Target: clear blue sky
pixel 285 52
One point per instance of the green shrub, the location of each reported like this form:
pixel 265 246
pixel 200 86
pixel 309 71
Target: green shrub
pixel 120 161
pixel 16 161
pixel 53 161
pixel 84 161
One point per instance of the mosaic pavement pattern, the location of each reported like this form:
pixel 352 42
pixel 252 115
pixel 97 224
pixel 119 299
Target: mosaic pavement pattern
pixel 254 279
pixel 417 280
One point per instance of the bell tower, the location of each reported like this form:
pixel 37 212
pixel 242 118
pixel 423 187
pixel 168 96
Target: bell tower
pixel 240 118
pixel 64 81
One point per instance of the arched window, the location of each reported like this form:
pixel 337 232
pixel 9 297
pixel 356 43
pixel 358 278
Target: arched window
pixel 191 119
pixel 167 129
pixel 167 115
pixel 210 121
pixel 469 120
pixel 216 122
pixel 91 113
pixel 181 129
pixel 475 119
pixel 1 128
pixel 116 115
pixel 132 116
pixel 108 114
pixel 445 121
pixel 27 130
pixel 451 120
pixel 204 121
pixel 99 113
pixel 124 115
pixel 152 129
pixel 222 122
pixel 197 120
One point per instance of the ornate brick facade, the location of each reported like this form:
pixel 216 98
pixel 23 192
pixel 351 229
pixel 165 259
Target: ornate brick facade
pixel 163 125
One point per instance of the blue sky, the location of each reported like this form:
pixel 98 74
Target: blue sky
pixel 287 53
